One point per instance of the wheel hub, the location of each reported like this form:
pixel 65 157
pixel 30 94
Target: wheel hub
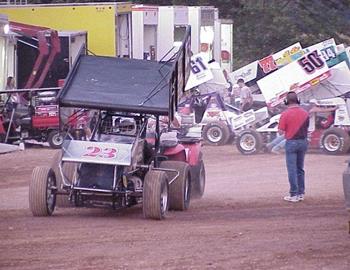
pixel 214 134
pixel 57 139
pixel 164 199
pixel 201 178
pixel 332 143
pixel 248 142
pixel 187 188
pixel 50 195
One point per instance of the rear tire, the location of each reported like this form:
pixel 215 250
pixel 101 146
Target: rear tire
pixel 180 188
pixel 216 133
pixel 198 180
pixel 249 142
pixel 55 139
pixel 155 195
pixel 69 170
pixel 42 198
pixel 335 141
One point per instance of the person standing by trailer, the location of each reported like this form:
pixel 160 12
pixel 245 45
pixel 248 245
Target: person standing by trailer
pixel 293 124
pixel 14 98
pixel 10 85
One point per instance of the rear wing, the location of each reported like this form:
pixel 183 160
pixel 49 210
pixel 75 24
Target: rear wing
pixel 128 85
pixel 298 76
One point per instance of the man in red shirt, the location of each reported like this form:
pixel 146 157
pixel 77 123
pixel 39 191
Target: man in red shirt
pixel 294 123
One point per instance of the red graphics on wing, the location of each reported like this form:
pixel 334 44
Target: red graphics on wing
pixel 267 64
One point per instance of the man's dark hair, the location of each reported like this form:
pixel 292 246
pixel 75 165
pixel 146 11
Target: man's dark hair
pixel 9 79
pixel 292 98
pixel 240 80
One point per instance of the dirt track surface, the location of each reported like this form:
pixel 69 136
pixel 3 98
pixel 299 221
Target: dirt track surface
pixel 241 222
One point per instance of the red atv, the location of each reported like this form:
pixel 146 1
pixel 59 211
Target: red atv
pixel 188 150
pixel 182 144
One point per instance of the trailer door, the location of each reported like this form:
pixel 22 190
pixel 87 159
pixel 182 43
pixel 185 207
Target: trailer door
pixel 123 34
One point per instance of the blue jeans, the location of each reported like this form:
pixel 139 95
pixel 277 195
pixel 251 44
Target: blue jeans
pixel 295 155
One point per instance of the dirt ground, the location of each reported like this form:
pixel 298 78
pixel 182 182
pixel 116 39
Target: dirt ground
pixel 241 222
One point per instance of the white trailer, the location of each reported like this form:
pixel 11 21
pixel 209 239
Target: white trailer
pixel 7 51
pixel 158 29
pixel 226 56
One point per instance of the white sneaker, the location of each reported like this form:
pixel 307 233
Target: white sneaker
pixel 291 198
pixel 275 152
pixel 301 197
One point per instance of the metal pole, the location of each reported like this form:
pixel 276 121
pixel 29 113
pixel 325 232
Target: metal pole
pixel 157 142
pixel 10 124
pixel 30 90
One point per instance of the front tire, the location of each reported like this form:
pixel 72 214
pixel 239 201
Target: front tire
pixel 155 195
pixel 335 141
pixel 42 196
pixel 216 133
pixel 55 139
pixel 180 188
pixel 249 142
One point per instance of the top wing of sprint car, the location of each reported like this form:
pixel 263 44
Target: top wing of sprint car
pixel 128 85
